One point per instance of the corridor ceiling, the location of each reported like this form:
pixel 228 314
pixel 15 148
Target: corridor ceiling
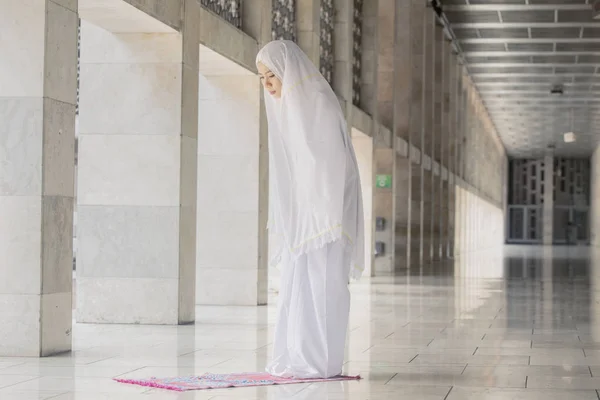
pixel 516 52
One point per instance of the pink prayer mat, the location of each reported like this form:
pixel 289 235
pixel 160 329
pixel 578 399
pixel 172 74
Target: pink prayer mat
pixel 220 381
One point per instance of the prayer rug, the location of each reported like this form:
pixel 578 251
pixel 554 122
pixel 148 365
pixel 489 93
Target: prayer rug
pixel 221 381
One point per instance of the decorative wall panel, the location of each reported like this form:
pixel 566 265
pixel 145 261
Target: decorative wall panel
pixel 229 10
pixel 284 20
pixel 571 184
pixel 357 27
pixel 78 64
pixel 326 35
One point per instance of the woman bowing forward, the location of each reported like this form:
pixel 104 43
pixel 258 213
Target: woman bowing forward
pixel 315 210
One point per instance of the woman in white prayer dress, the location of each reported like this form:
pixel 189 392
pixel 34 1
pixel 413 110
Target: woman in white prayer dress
pixel 315 213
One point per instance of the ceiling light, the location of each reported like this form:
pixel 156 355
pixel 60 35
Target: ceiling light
pixel 569 137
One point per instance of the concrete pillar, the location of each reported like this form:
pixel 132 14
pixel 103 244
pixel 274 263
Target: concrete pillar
pixel 383 206
pixel 257 21
pixel 594 217
pixel 264 27
pixel 437 199
pixel 460 139
pixel 363 146
pixel 428 141
pixel 342 52
pixel 379 19
pixel 444 136
pixel 548 212
pixel 385 63
pixel 421 28
pixel 137 171
pixel 452 107
pixel 405 94
pixel 308 17
pixel 229 189
pixel 38 87
pixel 370 58
pixel 248 142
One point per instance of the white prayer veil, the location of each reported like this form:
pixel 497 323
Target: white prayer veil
pixel 314 186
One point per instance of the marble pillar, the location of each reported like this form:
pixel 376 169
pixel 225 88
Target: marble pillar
pixel 437 198
pixel 38 88
pixel 403 89
pixel 370 59
pixel 548 212
pixel 342 52
pixel 420 25
pixel 428 138
pixel 383 207
pixel 228 188
pixel 363 146
pixel 137 174
pixel 379 19
pixel 257 21
pixel 451 108
pixel 595 202
pixel 308 28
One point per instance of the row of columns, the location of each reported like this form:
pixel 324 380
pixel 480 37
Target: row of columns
pixel 138 162
pixel 138 152
pixel 442 139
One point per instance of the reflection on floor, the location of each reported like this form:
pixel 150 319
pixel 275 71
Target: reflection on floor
pixel 520 325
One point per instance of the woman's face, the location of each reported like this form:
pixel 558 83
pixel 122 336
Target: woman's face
pixel 271 83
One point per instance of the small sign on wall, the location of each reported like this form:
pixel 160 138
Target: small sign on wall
pixel 383 181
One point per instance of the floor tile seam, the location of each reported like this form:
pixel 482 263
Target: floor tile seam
pixel 97 361
pixel 389 380
pixel 448 394
pixel 19 383
pixel 129 372
pixel 58 395
pixel 12 366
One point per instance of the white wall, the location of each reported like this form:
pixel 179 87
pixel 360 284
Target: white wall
pixel 363 146
pixel 478 225
pixel 228 184
pixel 136 179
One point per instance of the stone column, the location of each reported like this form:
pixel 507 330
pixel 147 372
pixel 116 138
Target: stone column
pixel 428 143
pixel 379 26
pixel 437 144
pixel 461 122
pixel 137 173
pixel 38 88
pixel 308 36
pixel 264 30
pixel 342 52
pixel 404 61
pixel 258 23
pixel 451 107
pixel 369 58
pixel 548 212
pixel 421 29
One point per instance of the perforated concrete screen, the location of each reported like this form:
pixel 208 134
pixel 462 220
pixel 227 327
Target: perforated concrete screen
pixel 518 52
pixel 570 183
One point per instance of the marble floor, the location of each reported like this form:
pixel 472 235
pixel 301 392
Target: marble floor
pixel 521 323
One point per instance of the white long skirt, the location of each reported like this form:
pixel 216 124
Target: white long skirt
pixel 312 320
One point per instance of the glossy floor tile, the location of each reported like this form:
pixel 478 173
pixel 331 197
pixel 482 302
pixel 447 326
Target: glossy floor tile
pixel 518 324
